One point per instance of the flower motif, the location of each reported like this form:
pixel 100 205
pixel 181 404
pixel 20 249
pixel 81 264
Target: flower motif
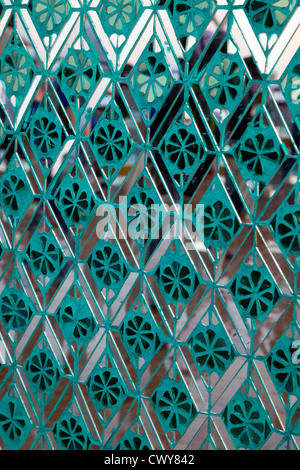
pixel 79 75
pixel 118 18
pixel 254 291
pixel 152 78
pixel 119 13
pixel 51 13
pixel 177 281
pixel 133 441
pixel 269 14
pixel 14 421
pixel 10 188
pixel 42 371
pixel 284 371
pixel 247 421
pixel 79 72
pixel 177 278
pixel 106 388
pixel 45 256
pixel 111 143
pixel 45 134
pixel 15 310
pixel 286 227
pixel 12 425
pixel 70 434
pixel 139 335
pixel 223 84
pixel 257 152
pixel 75 202
pixel 191 15
pixel 15 70
pixel 108 266
pixel 174 406
pixel 220 224
pixel 183 149
pixel 15 193
pixel 77 321
pixel 224 80
pixel 211 349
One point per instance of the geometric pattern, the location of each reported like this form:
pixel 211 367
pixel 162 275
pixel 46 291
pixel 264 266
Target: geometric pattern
pixel 149 225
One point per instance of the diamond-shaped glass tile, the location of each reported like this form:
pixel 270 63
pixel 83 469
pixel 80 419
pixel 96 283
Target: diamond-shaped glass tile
pixel 149 225
pixel 15 193
pixel 211 348
pixel 173 405
pixel 247 421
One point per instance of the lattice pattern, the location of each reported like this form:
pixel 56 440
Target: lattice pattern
pixel 149 237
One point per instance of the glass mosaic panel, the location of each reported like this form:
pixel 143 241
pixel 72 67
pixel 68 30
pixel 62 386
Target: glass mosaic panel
pixel 149 224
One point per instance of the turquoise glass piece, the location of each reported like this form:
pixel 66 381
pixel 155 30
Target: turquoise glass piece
pixel 149 225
